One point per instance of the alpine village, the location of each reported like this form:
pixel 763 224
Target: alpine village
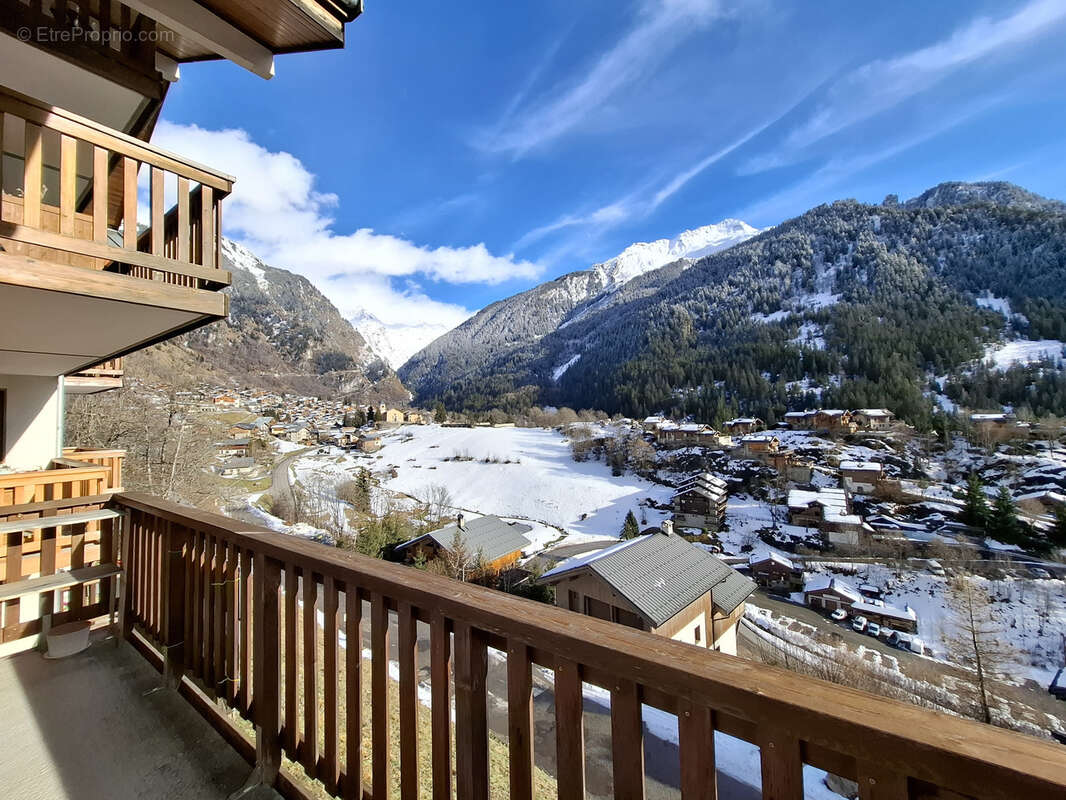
pixel 770 512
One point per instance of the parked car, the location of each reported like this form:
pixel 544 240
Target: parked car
pixel 873 629
pixel 858 624
pixel 839 615
pixel 1039 572
pixel 935 567
pixel 886 633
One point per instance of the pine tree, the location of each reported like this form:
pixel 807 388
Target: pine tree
pixel 975 513
pixel 440 413
pixel 1057 534
pixel 630 529
pixel 1003 521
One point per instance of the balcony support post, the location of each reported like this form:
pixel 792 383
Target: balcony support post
pixel 266 668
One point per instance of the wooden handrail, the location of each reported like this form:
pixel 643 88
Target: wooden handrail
pixel 88 130
pixel 794 719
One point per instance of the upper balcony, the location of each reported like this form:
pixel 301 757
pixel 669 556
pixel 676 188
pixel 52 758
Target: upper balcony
pixel 82 283
pixel 332 674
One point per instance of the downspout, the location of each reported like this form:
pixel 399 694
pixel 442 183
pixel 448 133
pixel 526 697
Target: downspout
pixel 61 415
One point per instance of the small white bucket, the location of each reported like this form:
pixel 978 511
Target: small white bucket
pixel 66 640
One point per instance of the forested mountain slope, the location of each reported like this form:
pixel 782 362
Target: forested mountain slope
pixel 847 305
pixel 282 333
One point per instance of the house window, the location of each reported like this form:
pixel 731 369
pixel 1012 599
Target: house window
pixel 597 608
pixel 697 634
pixel 573 604
pixel 623 617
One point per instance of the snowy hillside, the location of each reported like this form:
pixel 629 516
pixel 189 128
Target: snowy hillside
pixel 645 256
pixel 395 342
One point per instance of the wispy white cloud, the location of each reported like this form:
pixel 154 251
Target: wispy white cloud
pixel 880 85
pixel 277 213
pixel 660 27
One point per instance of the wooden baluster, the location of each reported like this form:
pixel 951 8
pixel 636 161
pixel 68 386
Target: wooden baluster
pixel 878 783
pixel 207 227
pixel 266 637
pixel 407 653
pixel 190 599
pixel 569 730
pixel 379 696
pixel 142 566
pixel 230 635
pixel 520 719
pixel 12 573
pixel 3 216
pixel 197 650
pixel 130 568
pixel 292 729
pixel 331 612
pixel 174 604
pixel 471 715
pixel 210 597
pixel 77 561
pixel 156 200
pixel 440 650
pixel 129 203
pixel 218 232
pixel 183 220
pixel 627 741
pixel 100 200
pixel 68 177
pixel 218 626
pixel 31 181
pixel 699 777
pixel 782 766
pixel 244 700
pixel 353 694
pixel 310 669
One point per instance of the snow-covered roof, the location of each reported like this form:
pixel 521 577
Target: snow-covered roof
pixel 989 417
pixel 829 498
pixel 818 583
pixel 861 466
pixel 770 555
pixel 884 610
pixel 875 412
pixel 799 414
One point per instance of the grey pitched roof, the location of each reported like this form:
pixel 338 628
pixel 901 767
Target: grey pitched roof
pixel 663 574
pixel 490 536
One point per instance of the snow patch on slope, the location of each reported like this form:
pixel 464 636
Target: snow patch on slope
pixel 1023 352
pixel 560 370
pixel 243 258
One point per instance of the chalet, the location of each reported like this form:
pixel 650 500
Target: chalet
pixel 758 445
pixel 775 572
pixel 225 401
pixel 492 544
pixel 873 419
pixel 828 510
pixel 829 593
pixel 651 424
pixel 833 420
pixel 998 425
pixel 369 443
pixel 236 467
pixel 657 582
pixel 690 434
pixel 741 426
pixel 800 420
pixel 413 417
pixel 898 619
pixel 241 430
pixel 232 447
pixel 389 416
pixel 701 502
pixel 861 477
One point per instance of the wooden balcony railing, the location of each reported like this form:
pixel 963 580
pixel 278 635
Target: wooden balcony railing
pixel 233 610
pixel 75 181
pixel 102 377
pixel 110 459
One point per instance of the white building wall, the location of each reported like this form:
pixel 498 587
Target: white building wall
pixel 33 416
pixel 727 642
pixel 688 633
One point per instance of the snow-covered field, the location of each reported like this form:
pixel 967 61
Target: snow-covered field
pixel 542 482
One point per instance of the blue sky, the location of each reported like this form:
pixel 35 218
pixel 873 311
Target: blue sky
pixel 453 154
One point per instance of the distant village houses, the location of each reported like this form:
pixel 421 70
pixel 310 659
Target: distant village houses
pixel 828 510
pixel 776 573
pixel 491 544
pixel 700 502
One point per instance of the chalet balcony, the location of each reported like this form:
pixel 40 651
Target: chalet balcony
pixel 101 378
pixel 82 283
pixel 373 679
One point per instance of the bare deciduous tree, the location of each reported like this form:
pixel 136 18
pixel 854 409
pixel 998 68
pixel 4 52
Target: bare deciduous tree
pixel 975 641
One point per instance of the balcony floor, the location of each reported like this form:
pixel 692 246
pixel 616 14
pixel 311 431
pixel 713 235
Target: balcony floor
pixel 90 726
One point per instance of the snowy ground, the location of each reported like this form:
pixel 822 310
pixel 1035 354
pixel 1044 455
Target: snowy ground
pixel 1023 351
pixel 542 483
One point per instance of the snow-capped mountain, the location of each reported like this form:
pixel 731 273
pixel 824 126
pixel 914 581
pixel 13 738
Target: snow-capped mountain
pixel 395 342
pixel 645 256
pixel 514 324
